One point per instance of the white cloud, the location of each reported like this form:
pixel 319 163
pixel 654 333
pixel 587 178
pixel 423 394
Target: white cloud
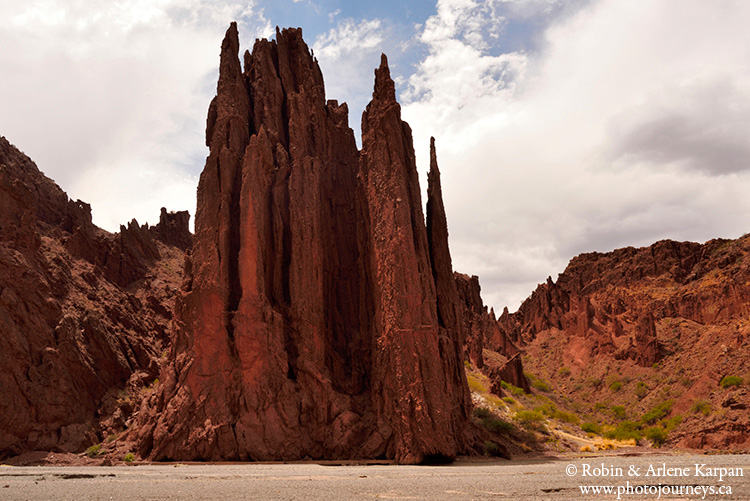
pixel 629 125
pixel 348 54
pixel 110 99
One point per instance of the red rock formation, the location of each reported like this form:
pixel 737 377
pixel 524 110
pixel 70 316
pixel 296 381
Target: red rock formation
pixel 484 333
pixel 174 229
pixel 309 322
pixel 71 340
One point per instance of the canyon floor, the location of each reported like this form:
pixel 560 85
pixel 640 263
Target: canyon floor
pixel 536 479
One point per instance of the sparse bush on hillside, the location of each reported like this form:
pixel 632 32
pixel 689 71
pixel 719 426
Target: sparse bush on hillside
pixel 702 406
pixel 658 412
pixel 514 390
pixel 94 450
pixel 731 381
pixel 619 412
pixel 567 417
pixel 475 384
pixel 641 390
pixel 548 410
pixel 656 434
pixel 564 372
pixel 482 412
pixel 128 457
pixel 529 419
pixel 538 383
pixel 591 427
pixel 616 386
pixel 626 430
pixel 494 400
pixel 492 422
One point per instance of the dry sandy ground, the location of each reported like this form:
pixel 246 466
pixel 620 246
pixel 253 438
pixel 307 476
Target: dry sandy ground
pixel 464 480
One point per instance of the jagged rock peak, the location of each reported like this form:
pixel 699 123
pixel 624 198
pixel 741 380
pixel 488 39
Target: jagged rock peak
pixel 385 89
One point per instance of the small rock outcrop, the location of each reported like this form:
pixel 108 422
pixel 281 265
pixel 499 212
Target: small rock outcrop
pixel 316 318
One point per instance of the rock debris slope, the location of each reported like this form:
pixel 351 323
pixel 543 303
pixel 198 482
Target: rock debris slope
pixel 318 315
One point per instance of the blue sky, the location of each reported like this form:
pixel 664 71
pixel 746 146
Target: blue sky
pixel 562 126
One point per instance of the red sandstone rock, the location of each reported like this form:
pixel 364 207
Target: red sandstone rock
pixel 71 340
pixel 308 326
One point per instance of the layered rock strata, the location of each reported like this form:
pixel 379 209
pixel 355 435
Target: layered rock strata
pixel 315 318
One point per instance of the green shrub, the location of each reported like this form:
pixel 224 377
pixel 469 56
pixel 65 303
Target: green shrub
pixel 529 419
pixel 600 405
pixel 702 406
pixel 541 385
pixel 619 412
pixel 482 412
pixel 641 390
pixel 548 410
pixel 509 400
pixel 128 457
pixel 671 423
pixel 537 383
pixel 591 427
pixel 564 372
pixel 492 449
pixel 94 450
pixel 514 390
pixel 616 386
pixel 656 434
pixel 658 412
pixel 567 417
pixel 492 422
pixel 497 425
pixel 624 431
pixel 731 381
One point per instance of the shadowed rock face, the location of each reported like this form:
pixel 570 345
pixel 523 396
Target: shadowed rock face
pixel 308 324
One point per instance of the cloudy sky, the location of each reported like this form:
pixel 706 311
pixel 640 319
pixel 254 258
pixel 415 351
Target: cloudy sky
pixel 562 126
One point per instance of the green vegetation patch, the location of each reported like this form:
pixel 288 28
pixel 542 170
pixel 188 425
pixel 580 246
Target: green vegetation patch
pixel 514 390
pixel 731 381
pixel 658 412
pixel 475 384
pixel 702 406
pixel 94 450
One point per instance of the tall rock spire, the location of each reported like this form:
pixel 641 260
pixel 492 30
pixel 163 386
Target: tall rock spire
pixel 414 379
pixel 308 326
